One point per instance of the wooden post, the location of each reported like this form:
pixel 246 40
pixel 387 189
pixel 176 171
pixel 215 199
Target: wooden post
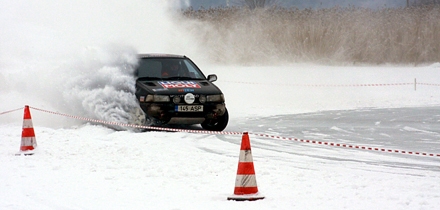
pixel 415 84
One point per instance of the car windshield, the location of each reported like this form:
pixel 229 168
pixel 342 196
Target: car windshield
pixel 167 69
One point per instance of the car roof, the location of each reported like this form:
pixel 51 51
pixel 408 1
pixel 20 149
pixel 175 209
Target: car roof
pixel 158 55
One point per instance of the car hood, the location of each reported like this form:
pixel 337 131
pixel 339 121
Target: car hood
pixel 179 87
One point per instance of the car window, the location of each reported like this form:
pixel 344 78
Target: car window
pixel 149 68
pixel 193 72
pixel 154 68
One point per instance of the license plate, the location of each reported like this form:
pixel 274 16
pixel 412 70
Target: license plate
pixel 189 108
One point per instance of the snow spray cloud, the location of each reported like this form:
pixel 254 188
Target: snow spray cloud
pixel 78 57
pixel 98 84
pixel 103 87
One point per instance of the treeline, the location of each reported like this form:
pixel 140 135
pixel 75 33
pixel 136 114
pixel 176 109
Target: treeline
pixel 336 35
pixel 424 2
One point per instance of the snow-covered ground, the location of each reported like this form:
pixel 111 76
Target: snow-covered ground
pixel 93 167
pixel 78 165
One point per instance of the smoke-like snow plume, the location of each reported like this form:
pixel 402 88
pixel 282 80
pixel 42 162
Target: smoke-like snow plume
pixel 78 58
pixel 103 88
pixel 98 84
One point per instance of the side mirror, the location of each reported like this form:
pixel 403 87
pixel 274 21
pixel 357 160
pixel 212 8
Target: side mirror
pixel 212 77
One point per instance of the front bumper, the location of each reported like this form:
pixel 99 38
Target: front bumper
pixel 166 113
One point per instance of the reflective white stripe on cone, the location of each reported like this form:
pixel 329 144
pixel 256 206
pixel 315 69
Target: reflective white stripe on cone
pixel 245 183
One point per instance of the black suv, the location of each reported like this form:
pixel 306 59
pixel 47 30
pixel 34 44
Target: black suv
pixel 171 89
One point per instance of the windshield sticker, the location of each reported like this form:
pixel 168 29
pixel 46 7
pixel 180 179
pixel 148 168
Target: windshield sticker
pixel 161 89
pixel 179 84
pixel 186 90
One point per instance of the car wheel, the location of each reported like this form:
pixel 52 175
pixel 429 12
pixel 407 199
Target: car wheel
pixel 151 122
pixel 137 117
pixel 218 124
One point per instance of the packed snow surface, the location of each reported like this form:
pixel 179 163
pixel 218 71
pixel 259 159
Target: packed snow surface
pixel 87 166
pixel 76 62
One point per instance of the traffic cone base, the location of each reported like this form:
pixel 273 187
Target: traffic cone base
pixel 25 153
pixel 245 183
pixel 249 197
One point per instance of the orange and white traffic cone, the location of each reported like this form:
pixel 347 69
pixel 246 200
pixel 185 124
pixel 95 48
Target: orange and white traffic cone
pixel 246 183
pixel 28 140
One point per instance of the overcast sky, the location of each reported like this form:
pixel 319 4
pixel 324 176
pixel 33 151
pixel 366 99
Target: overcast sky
pixel 306 3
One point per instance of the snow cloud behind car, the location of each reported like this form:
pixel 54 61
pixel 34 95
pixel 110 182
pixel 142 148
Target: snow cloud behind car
pixel 78 58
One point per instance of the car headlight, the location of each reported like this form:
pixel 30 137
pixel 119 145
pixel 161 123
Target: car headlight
pixel 176 99
pixel 202 99
pixel 215 98
pixel 157 98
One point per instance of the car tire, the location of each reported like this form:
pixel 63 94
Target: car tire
pixel 218 124
pixel 136 118
pixel 151 122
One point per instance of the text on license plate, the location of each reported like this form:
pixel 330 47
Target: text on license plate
pixel 189 108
